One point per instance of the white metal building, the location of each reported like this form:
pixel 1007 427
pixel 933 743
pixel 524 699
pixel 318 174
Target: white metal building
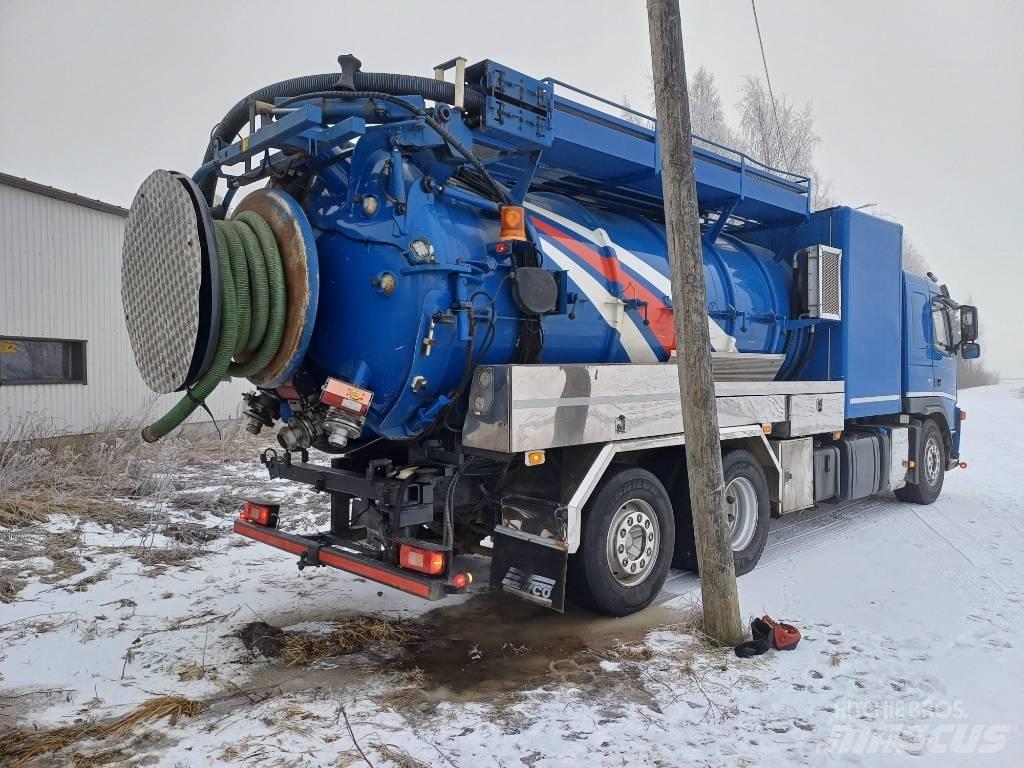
pixel 64 353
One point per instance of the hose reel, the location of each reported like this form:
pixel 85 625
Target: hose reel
pixel 207 299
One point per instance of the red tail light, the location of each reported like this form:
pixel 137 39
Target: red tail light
pixel 259 513
pixel 428 561
pixel 462 580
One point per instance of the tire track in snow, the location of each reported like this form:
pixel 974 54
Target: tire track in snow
pixel 798 533
pixel 971 575
pixel 808 532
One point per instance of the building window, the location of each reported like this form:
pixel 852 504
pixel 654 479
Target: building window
pixel 41 361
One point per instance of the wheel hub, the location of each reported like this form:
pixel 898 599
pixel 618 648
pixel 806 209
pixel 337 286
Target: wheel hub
pixel 634 540
pixel 932 461
pixel 741 512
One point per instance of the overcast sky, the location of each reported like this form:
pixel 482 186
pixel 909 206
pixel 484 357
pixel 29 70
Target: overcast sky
pixel 920 105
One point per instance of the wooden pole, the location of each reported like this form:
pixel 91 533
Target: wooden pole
pixel 693 343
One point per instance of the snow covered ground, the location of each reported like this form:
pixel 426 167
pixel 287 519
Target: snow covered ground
pixel 909 657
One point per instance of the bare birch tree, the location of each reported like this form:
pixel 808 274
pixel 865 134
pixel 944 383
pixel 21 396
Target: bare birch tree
pixel 787 143
pixel 913 261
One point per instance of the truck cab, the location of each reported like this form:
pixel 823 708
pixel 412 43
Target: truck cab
pixel 937 330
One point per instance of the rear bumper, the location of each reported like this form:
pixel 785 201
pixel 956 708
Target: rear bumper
pixel 326 550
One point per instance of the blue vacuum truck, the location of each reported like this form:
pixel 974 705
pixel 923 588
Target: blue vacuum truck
pixel 455 289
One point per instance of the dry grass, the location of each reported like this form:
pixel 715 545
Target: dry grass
pixel 396 755
pixel 110 478
pixel 349 636
pixel 19 746
pixel 97 759
pixel 629 652
pixel 61 549
pixel 97 476
pixel 10 585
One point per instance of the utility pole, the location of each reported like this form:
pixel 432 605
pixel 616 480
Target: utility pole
pixel 693 343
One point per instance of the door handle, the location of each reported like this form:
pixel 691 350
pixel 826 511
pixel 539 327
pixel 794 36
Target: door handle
pixel 938 382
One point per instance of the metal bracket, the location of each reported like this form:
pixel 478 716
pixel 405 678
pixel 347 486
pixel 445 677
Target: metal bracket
pixel 459 63
pixel 715 229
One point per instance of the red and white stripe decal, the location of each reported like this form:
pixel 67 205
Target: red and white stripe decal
pixel 611 307
pixel 659 316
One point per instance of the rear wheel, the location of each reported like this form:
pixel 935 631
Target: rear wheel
pixel 626 547
pixel 931 468
pixel 746 507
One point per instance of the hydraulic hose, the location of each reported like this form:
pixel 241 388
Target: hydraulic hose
pixel 396 85
pixel 499 191
pixel 252 313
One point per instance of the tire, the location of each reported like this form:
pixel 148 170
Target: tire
pixel 745 482
pixel 629 502
pixel 931 469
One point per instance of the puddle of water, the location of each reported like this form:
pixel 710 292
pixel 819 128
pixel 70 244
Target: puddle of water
pixel 493 644
pixel 486 645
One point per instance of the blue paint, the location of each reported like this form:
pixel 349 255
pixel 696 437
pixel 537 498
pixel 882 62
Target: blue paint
pixel 360 327
pixel 865 348
pixel 592 185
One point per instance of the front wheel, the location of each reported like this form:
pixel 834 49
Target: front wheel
pixel 931 469
pixel 626 547
pixel 746 507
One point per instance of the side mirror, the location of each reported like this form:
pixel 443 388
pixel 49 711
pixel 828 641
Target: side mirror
pixel 970 350
pixel 968 323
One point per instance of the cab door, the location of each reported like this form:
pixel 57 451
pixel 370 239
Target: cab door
pixel 918 339
pixel 945 339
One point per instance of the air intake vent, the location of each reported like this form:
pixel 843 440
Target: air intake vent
pixel 823 278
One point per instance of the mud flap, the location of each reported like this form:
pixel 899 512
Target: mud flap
pixel 529 567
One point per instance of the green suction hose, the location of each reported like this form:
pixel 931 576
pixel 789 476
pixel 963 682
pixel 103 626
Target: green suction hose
pixel 252 312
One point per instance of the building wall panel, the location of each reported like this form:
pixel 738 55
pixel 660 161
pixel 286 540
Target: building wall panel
pixel 60 277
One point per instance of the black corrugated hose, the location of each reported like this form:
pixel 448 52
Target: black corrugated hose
pixel 383 82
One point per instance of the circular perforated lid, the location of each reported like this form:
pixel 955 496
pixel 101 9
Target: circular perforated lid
pixel 162 270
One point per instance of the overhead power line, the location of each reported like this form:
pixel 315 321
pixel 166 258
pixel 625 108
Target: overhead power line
pixel 767 77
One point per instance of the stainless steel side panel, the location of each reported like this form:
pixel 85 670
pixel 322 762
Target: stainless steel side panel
pixel 534 407
pixel 816 413
pixel 488 417
pixel 898 457
pixel 745 366
pixel 796 458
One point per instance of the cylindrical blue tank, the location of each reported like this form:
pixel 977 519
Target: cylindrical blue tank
pixel 397 323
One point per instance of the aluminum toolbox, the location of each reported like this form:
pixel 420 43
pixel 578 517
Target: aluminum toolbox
pixel 795 458
pixel 811 414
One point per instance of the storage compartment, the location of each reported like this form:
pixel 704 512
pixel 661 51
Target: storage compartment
pixel 860 465
pixel 815 414
pixel 826 472
pixel 796 459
